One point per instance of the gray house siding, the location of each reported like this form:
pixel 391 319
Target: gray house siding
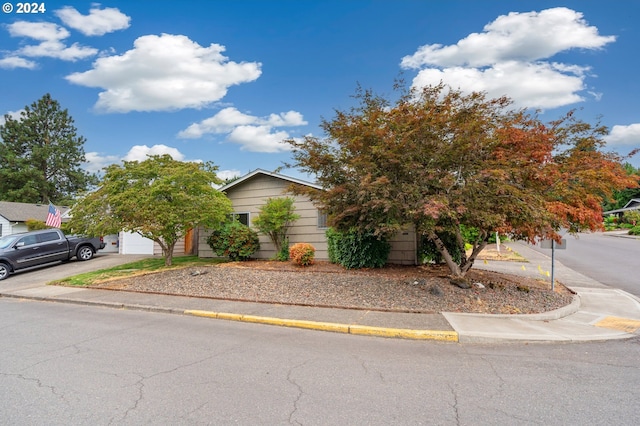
pixel 249 195
pixel 404 248
pixel 251 192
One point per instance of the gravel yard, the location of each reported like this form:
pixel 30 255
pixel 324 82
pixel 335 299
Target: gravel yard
pixel 394 288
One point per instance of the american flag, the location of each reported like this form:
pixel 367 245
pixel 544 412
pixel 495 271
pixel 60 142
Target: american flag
pixel 54 217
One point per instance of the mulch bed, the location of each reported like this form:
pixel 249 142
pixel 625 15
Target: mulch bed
pixel 424 289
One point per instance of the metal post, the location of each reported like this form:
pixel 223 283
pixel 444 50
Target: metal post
pixel 553 251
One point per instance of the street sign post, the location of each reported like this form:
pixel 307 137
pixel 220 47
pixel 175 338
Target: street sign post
pixel 553 246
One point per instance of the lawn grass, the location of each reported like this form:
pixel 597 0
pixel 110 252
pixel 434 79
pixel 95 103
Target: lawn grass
pixel 144 266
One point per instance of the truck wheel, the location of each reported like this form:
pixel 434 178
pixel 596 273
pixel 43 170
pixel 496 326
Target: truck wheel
pixel 84 253
pixel 4 271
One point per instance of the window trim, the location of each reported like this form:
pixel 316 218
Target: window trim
pixel 322 219
pixel 237 214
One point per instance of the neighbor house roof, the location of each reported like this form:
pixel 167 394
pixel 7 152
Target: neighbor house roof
pixel 257 172
pixel 633 204
pixel 21 212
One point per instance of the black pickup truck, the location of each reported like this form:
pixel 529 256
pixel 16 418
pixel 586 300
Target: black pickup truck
pixel 36 248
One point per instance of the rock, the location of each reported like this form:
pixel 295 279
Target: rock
pixel 478 285
pixel 436 290
pixel 196 273
pixel 460 282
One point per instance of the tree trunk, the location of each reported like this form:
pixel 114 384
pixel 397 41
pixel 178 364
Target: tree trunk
pixel 476 251
pixel 453 266
pixel 168 255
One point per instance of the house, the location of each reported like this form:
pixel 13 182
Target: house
pixel 633 204
pixel 13 216
pixel 250 192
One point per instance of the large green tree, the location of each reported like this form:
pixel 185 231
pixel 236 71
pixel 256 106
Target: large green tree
pixel 41 155
pixel 442 160
pixel 159 198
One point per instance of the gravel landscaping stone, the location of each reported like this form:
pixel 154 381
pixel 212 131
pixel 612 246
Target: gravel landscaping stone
pixel 425 289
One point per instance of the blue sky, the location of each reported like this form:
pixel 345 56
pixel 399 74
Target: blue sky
pixel 227 81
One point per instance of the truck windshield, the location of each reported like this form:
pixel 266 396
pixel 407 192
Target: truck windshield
pixel 6 241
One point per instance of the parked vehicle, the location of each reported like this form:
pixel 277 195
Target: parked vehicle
pixel 30 249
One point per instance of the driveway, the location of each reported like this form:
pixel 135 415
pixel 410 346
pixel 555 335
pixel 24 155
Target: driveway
pixel 41 276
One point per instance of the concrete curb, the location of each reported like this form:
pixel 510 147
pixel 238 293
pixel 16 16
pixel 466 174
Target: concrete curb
pixel 449 336
pixel 565 311
pixel 362 330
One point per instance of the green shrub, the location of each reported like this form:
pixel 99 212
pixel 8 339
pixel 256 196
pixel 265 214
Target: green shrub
pixel 631 217
pixel 234 240
pixel 35 225
pixel 635 230
pixel 274 221
pixel 302 254
pixel 283 254
pixel 355 250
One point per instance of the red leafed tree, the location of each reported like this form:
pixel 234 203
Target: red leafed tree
pixel 442 160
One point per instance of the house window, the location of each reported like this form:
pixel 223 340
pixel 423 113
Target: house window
pixel 322 220
pixel 243 218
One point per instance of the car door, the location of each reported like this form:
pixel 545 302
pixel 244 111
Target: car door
pixel 53 247
pixel 26 252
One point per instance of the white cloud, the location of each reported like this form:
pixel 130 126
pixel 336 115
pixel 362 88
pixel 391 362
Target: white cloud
pixel 509 58
pixel 140 152
pixel 95 161
pixel 223 122
pixel 259 139
pixel 624 135
pixel 251 132
pixel 288 119
pixel 51 45
pixel 11 62
pixel 43 31
pixel 98 22
pixel 16 115
pixel 229 174
pixel 528 84
pixel 58 50
pixel 163 73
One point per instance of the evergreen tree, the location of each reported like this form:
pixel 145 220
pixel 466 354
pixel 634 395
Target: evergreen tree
pixel 41 155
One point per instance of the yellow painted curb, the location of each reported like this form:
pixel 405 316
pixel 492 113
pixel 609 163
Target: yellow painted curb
pixel 449 336
pixel 404 333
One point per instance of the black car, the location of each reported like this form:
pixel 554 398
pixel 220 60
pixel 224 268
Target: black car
pixel 31 249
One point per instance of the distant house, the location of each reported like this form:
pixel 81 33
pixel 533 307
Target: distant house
pixel 13 216
pixel 250 192
pixel 633 204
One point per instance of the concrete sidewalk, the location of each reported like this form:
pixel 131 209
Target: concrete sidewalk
pixel 597 313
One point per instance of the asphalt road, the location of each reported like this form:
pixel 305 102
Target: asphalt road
pixel 65 364
pixel 610 260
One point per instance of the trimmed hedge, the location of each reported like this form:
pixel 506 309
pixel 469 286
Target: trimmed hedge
pixel 354 250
